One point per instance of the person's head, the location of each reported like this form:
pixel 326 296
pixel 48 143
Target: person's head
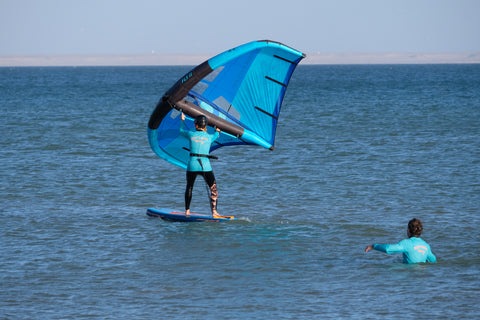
pixel 201 122
pixel 415 228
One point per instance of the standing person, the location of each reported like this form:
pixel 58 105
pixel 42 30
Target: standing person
pixel 414 249
pixel 199 162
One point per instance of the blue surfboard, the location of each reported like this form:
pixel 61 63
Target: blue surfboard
pixel 172 215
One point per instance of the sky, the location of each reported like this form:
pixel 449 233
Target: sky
pixel 59 27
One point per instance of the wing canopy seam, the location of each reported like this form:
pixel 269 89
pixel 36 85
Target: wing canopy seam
pixel 276 81
pixel 267 113
pixel 284 59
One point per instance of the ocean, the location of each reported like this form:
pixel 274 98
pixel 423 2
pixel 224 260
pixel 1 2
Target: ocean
pixel 359 151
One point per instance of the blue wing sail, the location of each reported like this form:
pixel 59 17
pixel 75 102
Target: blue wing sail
pixel 240 91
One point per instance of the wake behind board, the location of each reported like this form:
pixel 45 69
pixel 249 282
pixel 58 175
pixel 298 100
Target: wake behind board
pixel 172 215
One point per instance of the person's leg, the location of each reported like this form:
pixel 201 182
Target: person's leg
pixel 191 176
pixel 212 184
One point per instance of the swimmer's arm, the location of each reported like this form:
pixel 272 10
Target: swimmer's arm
pixel 431 257
pixel 387 248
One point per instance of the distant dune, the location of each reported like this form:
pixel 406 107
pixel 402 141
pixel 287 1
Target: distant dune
pixel 185 59
pixel 393 58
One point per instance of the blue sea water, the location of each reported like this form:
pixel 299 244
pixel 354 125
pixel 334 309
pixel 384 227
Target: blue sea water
pixel 360 150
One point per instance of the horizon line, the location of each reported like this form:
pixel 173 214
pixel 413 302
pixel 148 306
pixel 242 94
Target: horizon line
pixel 158 59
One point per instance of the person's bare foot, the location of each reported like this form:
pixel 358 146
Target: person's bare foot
pixel 187 212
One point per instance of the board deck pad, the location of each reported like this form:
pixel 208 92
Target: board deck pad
pixel 172 215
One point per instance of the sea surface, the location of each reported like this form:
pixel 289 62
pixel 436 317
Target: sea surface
pixel 359 151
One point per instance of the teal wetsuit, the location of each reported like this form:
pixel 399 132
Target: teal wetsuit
pixel 199 163
pixel 414 250
pixel 200 142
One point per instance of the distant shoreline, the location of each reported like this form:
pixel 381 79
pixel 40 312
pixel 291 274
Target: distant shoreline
pixel 191 59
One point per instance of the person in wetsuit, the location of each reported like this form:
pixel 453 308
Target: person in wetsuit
pixel 199 162
pixel 414 249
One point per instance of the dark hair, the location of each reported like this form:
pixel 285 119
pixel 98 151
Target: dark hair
pixel 201 121
pixel 415 227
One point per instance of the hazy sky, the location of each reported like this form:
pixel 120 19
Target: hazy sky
pixel 30 27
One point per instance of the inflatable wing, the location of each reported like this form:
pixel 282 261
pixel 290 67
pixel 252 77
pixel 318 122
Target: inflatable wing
pixel 240 91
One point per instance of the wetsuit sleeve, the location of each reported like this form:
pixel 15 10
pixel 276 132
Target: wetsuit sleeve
pixel 215 136
pixel 183 132
pixel 431 257
pixel 390 248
